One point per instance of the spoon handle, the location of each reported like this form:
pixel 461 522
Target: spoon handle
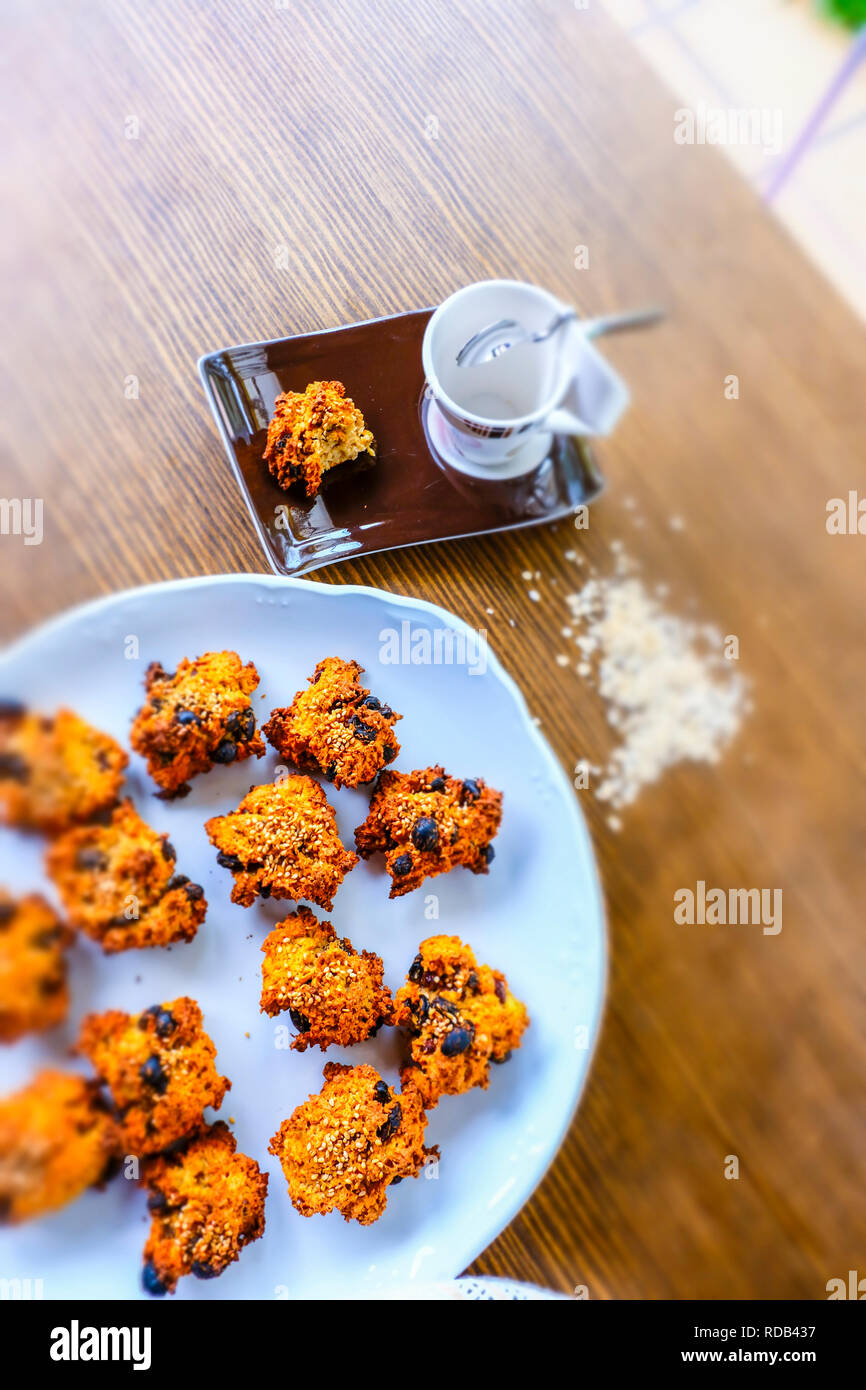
pixel 615 323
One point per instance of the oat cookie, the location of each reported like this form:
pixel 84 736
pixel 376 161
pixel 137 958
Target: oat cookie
pixel 207 1203
pixel 334 995
pixel 312 431
pixel 460 1016
pixel 282 842
pixel 119 885
pixel 33 942
pixel 55 772
pixel 195 718
pixel 159 1068
pixel 425 823
pixel 57 1138
pixel 336 727
pixel 341 1149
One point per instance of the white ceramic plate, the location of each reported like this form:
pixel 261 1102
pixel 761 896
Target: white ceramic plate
pixel 537 916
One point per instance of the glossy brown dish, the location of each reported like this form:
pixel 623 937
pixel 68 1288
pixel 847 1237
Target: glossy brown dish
pixel 406 496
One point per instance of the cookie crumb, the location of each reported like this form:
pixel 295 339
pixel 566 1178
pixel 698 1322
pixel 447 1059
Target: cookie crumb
pixel 669 693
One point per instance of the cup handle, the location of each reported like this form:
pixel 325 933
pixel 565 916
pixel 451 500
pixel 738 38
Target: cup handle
pixel 564 422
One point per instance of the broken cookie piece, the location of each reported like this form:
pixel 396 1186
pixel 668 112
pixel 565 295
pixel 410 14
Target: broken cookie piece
pixel 207 1204
pixel 159 1068
pixel 195 718
pixel 119 886
pixel 336 727
pixel 426 823
pixel 282 842
pixel 55 772
pixel 312 431
pixel 333 995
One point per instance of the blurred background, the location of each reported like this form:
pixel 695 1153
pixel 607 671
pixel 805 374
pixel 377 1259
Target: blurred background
pixel 189 175
pixel 806 62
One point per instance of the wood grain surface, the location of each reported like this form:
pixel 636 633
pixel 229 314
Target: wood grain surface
pixel 284 179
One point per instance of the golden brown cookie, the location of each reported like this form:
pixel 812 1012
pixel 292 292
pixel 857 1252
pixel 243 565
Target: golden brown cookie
pixel 335 727
pixel 119 886
pixel 314 430
pixel 333 994
pixel 57 1138
pixel 342 1148
pixel 426 822
pixel 159 1068
pixel 195 718
pixel 460 1016
pixel 207 1202
pixel 282 842
pixel 33 942
pixel 55 772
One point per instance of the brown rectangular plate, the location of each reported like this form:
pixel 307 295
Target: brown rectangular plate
pixel 406 495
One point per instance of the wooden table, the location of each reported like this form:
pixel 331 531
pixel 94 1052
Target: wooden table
pixel 284 178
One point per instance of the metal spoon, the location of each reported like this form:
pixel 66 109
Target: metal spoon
pixel 591 328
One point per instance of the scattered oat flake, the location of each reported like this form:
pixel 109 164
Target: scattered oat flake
pixel 527 574
pixel 670 695
pixel 561 659
pixel 676 523
pixel 534 595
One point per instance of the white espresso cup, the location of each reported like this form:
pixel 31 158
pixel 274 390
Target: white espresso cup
pixel 504 412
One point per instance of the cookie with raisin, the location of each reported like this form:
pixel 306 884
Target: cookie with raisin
pixel 460 1016
pixel 196 717
pixel 119 885
pixel 33 989
pixel 282 842
pixel 57 1138
pixel 342 1149
pixel 312 431
pixel 207 1204
pixel 333 994
pixel 159 1069
pixel 336 727
pixel 55 772
pixel 427 823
